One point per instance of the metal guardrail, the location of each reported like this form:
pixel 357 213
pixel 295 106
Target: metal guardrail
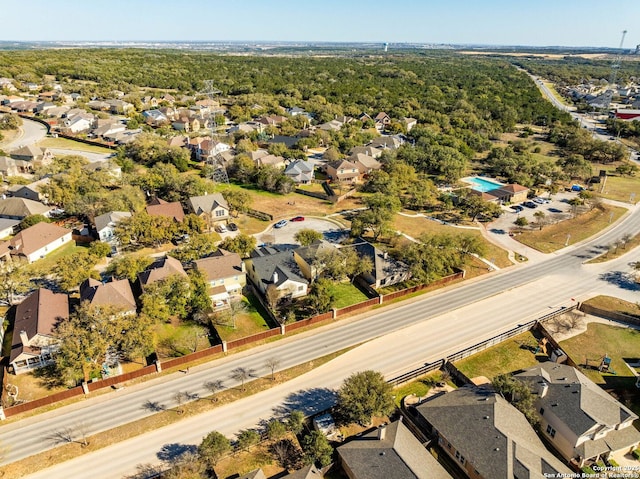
pixel 487 343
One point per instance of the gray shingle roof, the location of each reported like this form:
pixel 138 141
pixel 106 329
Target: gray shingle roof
pixel 281 263
pixel 207 203
pixel 390 452
pixel 114 217
pixel 21 207
pixel 493 436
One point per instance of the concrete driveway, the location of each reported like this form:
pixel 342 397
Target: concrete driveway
pixel 330 229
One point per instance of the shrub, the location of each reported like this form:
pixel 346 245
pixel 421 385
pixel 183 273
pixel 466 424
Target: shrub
pixel 636 453
pixel 587 470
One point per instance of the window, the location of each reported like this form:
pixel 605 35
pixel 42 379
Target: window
pixel 460 457
pixel 220 213
pixel 300 288
pixel 551 431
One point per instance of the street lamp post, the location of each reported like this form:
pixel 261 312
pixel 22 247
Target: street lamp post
pixel 566 243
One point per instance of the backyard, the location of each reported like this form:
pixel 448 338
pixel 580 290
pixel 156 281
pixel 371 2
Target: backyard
pixel 64 144
pixel 346 294
pixel 249 320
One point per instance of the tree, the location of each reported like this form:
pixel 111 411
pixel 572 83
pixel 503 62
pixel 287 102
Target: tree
pixel 239 201
pixel 317 449
pixel 541 217
pixel 247 439
pixel 295 422
pixel 321 296
pixel 242 244
pixel 307 236
pixel 199 246
pixel 355 264
pixel 475 206
pixel 15 279
pixel 180 397
pixel 272 364
pixel 165 298
pixel 519 394
pixel 142 229
pixel 378 217
pixel 199 299
pixel 364 395
pixel 128 266
pixel 99 249
pixel 33 220
pixel 521 221
pixel 213 387
pixel 213 447
pixel 275 430
pixel 241 374
pixel 73 269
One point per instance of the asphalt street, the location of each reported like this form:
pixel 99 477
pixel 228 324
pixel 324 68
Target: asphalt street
pixel 31 132
pixel 498 302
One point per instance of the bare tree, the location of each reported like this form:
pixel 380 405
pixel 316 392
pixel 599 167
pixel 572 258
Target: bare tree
pixel 272 363
pixel 625 239
pixel 241 374
pixel 180 397
pixel 272 296
pixel 83 431
pixel 213 387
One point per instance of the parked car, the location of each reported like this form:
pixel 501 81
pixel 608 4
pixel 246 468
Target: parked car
pixel 540 201
pixel 221 229
pixel 517 208
pixel 298 218
pixel 530 204
pixel 232 227
pixel 280 224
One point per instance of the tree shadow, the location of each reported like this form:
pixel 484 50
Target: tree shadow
pixel 620 279
pixel 171 452
pixel 309 401
pixel 48 377
pixel 153 406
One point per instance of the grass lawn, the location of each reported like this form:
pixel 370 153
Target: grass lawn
pixel 179 338
pixel 621 188
pixel 511 355
pixel 418 387
pixel 64 144
pixel 166 417
pixel 616 305
pixel 347 294
pixel 619 251
pixel 251 321
pixel 553 237
pixel 618 343
pixel 47 263
pixel 33 385
pixel 259 456
pixel 416 227
pixel 9 136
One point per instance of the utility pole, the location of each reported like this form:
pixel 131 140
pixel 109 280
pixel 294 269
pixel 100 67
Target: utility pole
pixel 214 160
pixel 615 66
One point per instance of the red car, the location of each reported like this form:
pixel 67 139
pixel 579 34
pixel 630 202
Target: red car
pixel 298 218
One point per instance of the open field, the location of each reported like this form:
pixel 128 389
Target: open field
pixel 553 237
pixel 64 144
pixel 9 136
pixel 417 226
pixel 511 355
pixel 165 417
pixel 616 342
pixel 615 305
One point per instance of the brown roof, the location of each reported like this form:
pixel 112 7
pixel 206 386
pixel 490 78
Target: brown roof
pixel 115 293
pixel 223 265
pixel 162 208
pixel 38 314
pixel 514 188
pixel 36 237
pixel 160 269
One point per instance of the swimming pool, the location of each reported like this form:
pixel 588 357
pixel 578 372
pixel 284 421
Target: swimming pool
pixel 482 184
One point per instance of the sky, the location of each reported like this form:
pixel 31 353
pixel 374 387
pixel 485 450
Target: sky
pixel 486 22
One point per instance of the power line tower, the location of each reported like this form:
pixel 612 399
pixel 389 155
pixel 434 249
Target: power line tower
pixel 615 66
pixel 214 161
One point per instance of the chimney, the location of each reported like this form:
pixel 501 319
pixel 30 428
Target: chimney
pixel 24 338
pixel 274 278
pixel 544 388
pixel 385 255
pixel 382 432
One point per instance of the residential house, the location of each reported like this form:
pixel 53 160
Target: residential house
pixel 26 106
pixel 382 120
pixel 43 106
pixel 32 191
pixel 511 193
pixel 279 271
pixel 158 207
pixel 20 208
pixel 111 167
pixel 34 340
pixel 300 171
pixel 371 151
pixel 11 167
pixel 296 110
pixel 119 107
pixel 123 137
pixel 333 125
pixel 255 474
pixel 57 112
pixel 385 271
pixel 271 160
pixel 209 148
pixel 307 472
pixel 581 420
pixel 150 101
pixel 364 117
pixel 226 275
pixel 343 171
pixel 288 141
pixel 160 269
pixel 365 163
pixel 155 117
pixel 7 84
pixel 77 123
pixel 7 227
pixel 409 123
pixel 310 258
pixel 390 452
pixel 116 293
pixel 243 128
pixel 486 436
pixel 34 154
pixel 168 98
pixel 213 206
pixel 106 224
pixel 272 120
pixel 9 100
pixel 256 155
pixel 35 242
pixel 98 105
pixel 180 140
pixel 387 142
pixel 108 129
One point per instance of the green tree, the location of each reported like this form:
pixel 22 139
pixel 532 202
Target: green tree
pixel 99 249
pixel 321 297
pixel 239 201
pixel 165 298
pixel 10 122
pixel 364 395
pixel 199 300
pixel 521 221
pixel 199 246
pixel 541 218
pixel 307 236
pixel 213 447
pixel 33 220
pixel 247 439
pixel 143 229
pixel 378 217
pixel 15 279
pixel 519 394
pixel 317 449
pixel 295 422
pixel 242 244
pixel 73 269
pixel 276 430
pixel 129 266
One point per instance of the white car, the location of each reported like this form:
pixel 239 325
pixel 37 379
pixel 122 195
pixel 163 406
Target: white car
pixel 222 229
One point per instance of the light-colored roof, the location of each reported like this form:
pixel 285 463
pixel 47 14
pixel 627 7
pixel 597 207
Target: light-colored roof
pixel 115 293
pixel 207 203
pixel 38 314
pixel 31 151
pixel 160 269
pixel 110 218
pixel 221 265
pixel 390 452
pixel 35 237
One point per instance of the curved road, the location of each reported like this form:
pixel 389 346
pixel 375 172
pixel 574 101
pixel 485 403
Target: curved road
pixel 31 132
pixel 446 321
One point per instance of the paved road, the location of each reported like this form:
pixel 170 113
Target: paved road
pixel 90 156
pixel 329 228
pixel 31 132
pixel 500 300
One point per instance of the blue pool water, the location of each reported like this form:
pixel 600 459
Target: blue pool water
pixel 481 184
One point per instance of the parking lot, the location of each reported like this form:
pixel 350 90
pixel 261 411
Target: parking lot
pixel 557 209
pixel 284 235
